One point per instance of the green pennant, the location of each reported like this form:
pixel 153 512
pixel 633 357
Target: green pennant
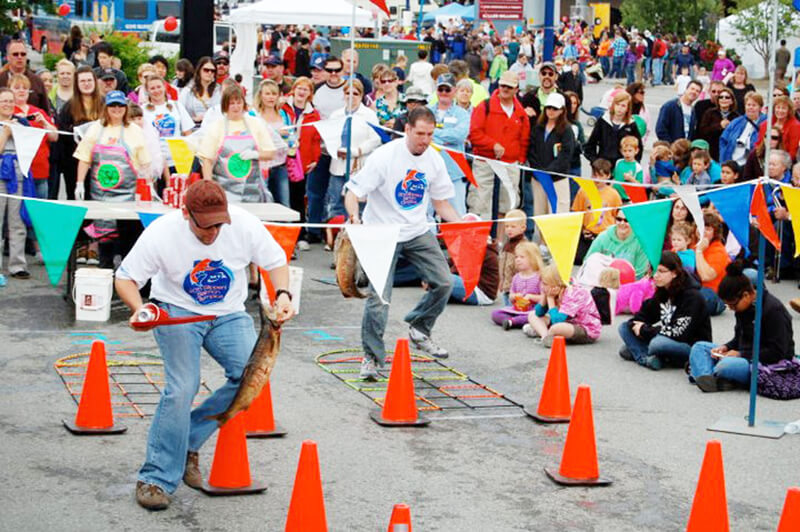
pixel 56 226
pixel 649 224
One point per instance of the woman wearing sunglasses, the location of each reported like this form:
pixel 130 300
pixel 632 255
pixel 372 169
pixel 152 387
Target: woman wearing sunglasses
pixel 716 119
pixel 203 92
pixel 783 119
pixel 618 241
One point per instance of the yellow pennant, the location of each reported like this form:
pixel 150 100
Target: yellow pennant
pixel 591 191
pixel 792 197
pixel 561 233
pixel 181 155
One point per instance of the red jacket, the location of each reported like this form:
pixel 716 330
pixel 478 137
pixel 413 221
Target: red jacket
pixel 512 133
pixel 309 139
pixel 790 137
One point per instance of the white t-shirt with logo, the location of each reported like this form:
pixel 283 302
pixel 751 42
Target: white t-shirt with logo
pixel 399 187
pixel 169 119
pixel 199 278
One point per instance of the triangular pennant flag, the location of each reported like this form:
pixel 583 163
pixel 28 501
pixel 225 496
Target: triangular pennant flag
pixel 182 155
pixel 689 197
pixel 285 236
pixel 649 224
pixel 26 142
pixel 792 198
pixel 147 217
pixel 796 4
pixel 733 204
pixel 374 246
pixel 546 181
pixel 501 171
pixel 462 163
pixel 561 233
pixel 758 208
pixel 384 135
pixel 381 4
pixel 331 133
pixel 466 243
pixel 593 194
pixel 636 194
pixel 56 226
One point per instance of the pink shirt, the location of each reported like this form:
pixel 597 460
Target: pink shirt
pixel 577 303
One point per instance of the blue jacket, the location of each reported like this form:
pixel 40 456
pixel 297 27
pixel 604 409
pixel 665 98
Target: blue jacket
pixel 669 126
pixel 727 142
pixel 451 133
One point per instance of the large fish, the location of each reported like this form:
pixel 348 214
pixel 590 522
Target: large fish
pixel 348 270
pixel 259 366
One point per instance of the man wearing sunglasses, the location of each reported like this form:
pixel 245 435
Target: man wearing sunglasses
pixel 17 55
pixel 533 100
pixel 329 96
pixel 452 128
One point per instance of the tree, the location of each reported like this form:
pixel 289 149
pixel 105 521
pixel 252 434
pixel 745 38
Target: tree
pixel 8 24
pixel 678 17
pixel 753 22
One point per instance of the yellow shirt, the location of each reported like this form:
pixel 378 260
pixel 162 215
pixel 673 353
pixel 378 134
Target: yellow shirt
pixel 215 132
pixel 134 139
pixel 610 198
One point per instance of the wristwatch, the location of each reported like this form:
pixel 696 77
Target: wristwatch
pixel 280 291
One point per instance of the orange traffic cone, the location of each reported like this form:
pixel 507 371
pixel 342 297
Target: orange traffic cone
pixel 400 404
pixel 230 470
pixel 790 519
pixel 401 518
pixel 579 459
pixel 554 404
pixel 710 506
pixel 307 507
pixel 94 409
pixel 259 421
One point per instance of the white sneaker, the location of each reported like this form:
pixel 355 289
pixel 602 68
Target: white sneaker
pixel 530 331
pixel 368 371
pixel 424 343
pixel 302 245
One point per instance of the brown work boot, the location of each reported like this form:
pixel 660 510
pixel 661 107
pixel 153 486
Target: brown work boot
pixel 192 476
pixel 151 497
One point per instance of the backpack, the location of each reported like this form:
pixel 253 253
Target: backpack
pixel 602 300
pixel 781 380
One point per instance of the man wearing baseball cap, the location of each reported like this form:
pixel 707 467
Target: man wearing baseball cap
pixel 452 128
pixel 415 97
pixel 534 100
pixel 197 261
pixel 274 70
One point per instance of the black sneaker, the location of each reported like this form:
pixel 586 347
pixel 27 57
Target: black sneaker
pixel 22 274
pixel 625 353
pixel 507 325
pixel 707 383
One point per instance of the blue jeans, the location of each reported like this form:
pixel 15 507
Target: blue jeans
pixel 316 187
pixel 42 188
pixel 630 72
pixel 426 256
pixel 658 70
pixel 527 202
pixel 617 67
pixel 278 184
pixel 334 202
pixel 176 428
pixel 646 61
pixel 714 304
pixel 459 201
pixel 735 369
pixel 458 292
pixel 605 63
pixel 660 346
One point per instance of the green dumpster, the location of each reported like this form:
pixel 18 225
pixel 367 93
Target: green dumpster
pixel 374 51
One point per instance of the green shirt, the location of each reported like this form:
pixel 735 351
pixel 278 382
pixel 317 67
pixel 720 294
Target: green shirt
pixel 623 167
pixel 608 243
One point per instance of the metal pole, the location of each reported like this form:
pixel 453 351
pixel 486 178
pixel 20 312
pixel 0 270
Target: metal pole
pixel 348 120
pixel 419 18
pixel 549 25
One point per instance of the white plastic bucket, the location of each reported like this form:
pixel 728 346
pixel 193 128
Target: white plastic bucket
pixel 92 294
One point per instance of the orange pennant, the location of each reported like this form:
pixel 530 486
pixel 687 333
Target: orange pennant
pixel 758 208
pixel 462 163
pixel 636 194
pixel 285 236
pixel 466 243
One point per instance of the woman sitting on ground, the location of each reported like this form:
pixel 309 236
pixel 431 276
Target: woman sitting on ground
pixel 670 322
pixel 618 241
pixel 711 260
pixel 716 368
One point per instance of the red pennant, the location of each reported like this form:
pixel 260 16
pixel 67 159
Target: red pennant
pixel 381 4
pixel 758 208
pixel 462 163
pixel 285 236
pixel 636 194
pixel 466 243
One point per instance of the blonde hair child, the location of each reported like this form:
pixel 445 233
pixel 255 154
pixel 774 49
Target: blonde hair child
pixel 525 290
pixel 514 225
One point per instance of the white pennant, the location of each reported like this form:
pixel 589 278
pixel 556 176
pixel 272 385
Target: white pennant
pixel 501 170
pixel 689 197
pixel 374 246
pixel 26 141
pixel 331 133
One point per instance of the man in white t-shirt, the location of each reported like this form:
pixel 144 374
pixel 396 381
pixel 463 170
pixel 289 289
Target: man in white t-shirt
pixel 197 260
pixel 398 182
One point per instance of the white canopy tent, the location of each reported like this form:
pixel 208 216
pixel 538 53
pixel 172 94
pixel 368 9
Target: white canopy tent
pixel 246 20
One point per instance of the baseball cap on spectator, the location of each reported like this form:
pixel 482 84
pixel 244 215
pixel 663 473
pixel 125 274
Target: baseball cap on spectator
pixel 699 144
pixel 446 80
pixel 273 60
pixel 318 63
pixel 415 94
pixel 555 100
pixel 206 202
pixel 107 73
pixel 550 65
pixel 509 79
pixel 116 97
pixel 219 56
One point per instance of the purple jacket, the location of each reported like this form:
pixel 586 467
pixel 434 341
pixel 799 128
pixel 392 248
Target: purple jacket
pixel 722 67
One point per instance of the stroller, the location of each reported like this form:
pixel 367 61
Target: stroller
pixel 593 115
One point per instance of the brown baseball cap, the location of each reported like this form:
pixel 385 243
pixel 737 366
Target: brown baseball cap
pixel 206 202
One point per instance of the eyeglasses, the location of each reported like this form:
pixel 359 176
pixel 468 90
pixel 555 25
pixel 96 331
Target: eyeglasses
pixel 621 220
pixel 444 88
pixel 212 70
pixel 333 70
pixel 775 137
pixel 117 105
pixel 547 73
pixel 214 226
pixel 732 304
pixel 19 54
pixel 640 92
pixel 384 81
pixel 724 97
pixel 509 87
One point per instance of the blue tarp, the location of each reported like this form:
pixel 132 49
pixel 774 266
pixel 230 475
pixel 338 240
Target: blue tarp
pixel 451 10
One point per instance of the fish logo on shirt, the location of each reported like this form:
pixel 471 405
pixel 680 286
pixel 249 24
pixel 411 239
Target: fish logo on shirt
pixel 410 191
pixel 208 281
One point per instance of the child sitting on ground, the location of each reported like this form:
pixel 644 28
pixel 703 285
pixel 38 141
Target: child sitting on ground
pixel 514 227
pixel 628 168
pixel 700 162
pixel 567 311
pixel 682 240
pixel 601 169
pixel 525 289
pixel 730 172
pixel 663 171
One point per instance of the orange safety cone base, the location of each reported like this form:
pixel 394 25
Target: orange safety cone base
pixel 545 419
pixel 565 481
pixel 116 428
pixel 255 487
pixel 276 432
pixel 377 417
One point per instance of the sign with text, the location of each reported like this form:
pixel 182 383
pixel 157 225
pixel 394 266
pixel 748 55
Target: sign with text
pixel 501 10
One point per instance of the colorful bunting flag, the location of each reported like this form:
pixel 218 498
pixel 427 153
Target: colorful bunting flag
pixel 147 217
pixel 792 198
pixel 27 141
pixel 331 133
pixel 285 236
pixel 501 171
pixel 758 208
pixel 384 135
pixel 546 181
pixel 593 194
pixel 733 204
pixel 636 194
pixel 374 245
pixel 691 200
pixel 381 4
pixel 561 233
pixel 182 155
pixel 466 243
pixel 462 163
pixel 56 226
pixel 649 224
